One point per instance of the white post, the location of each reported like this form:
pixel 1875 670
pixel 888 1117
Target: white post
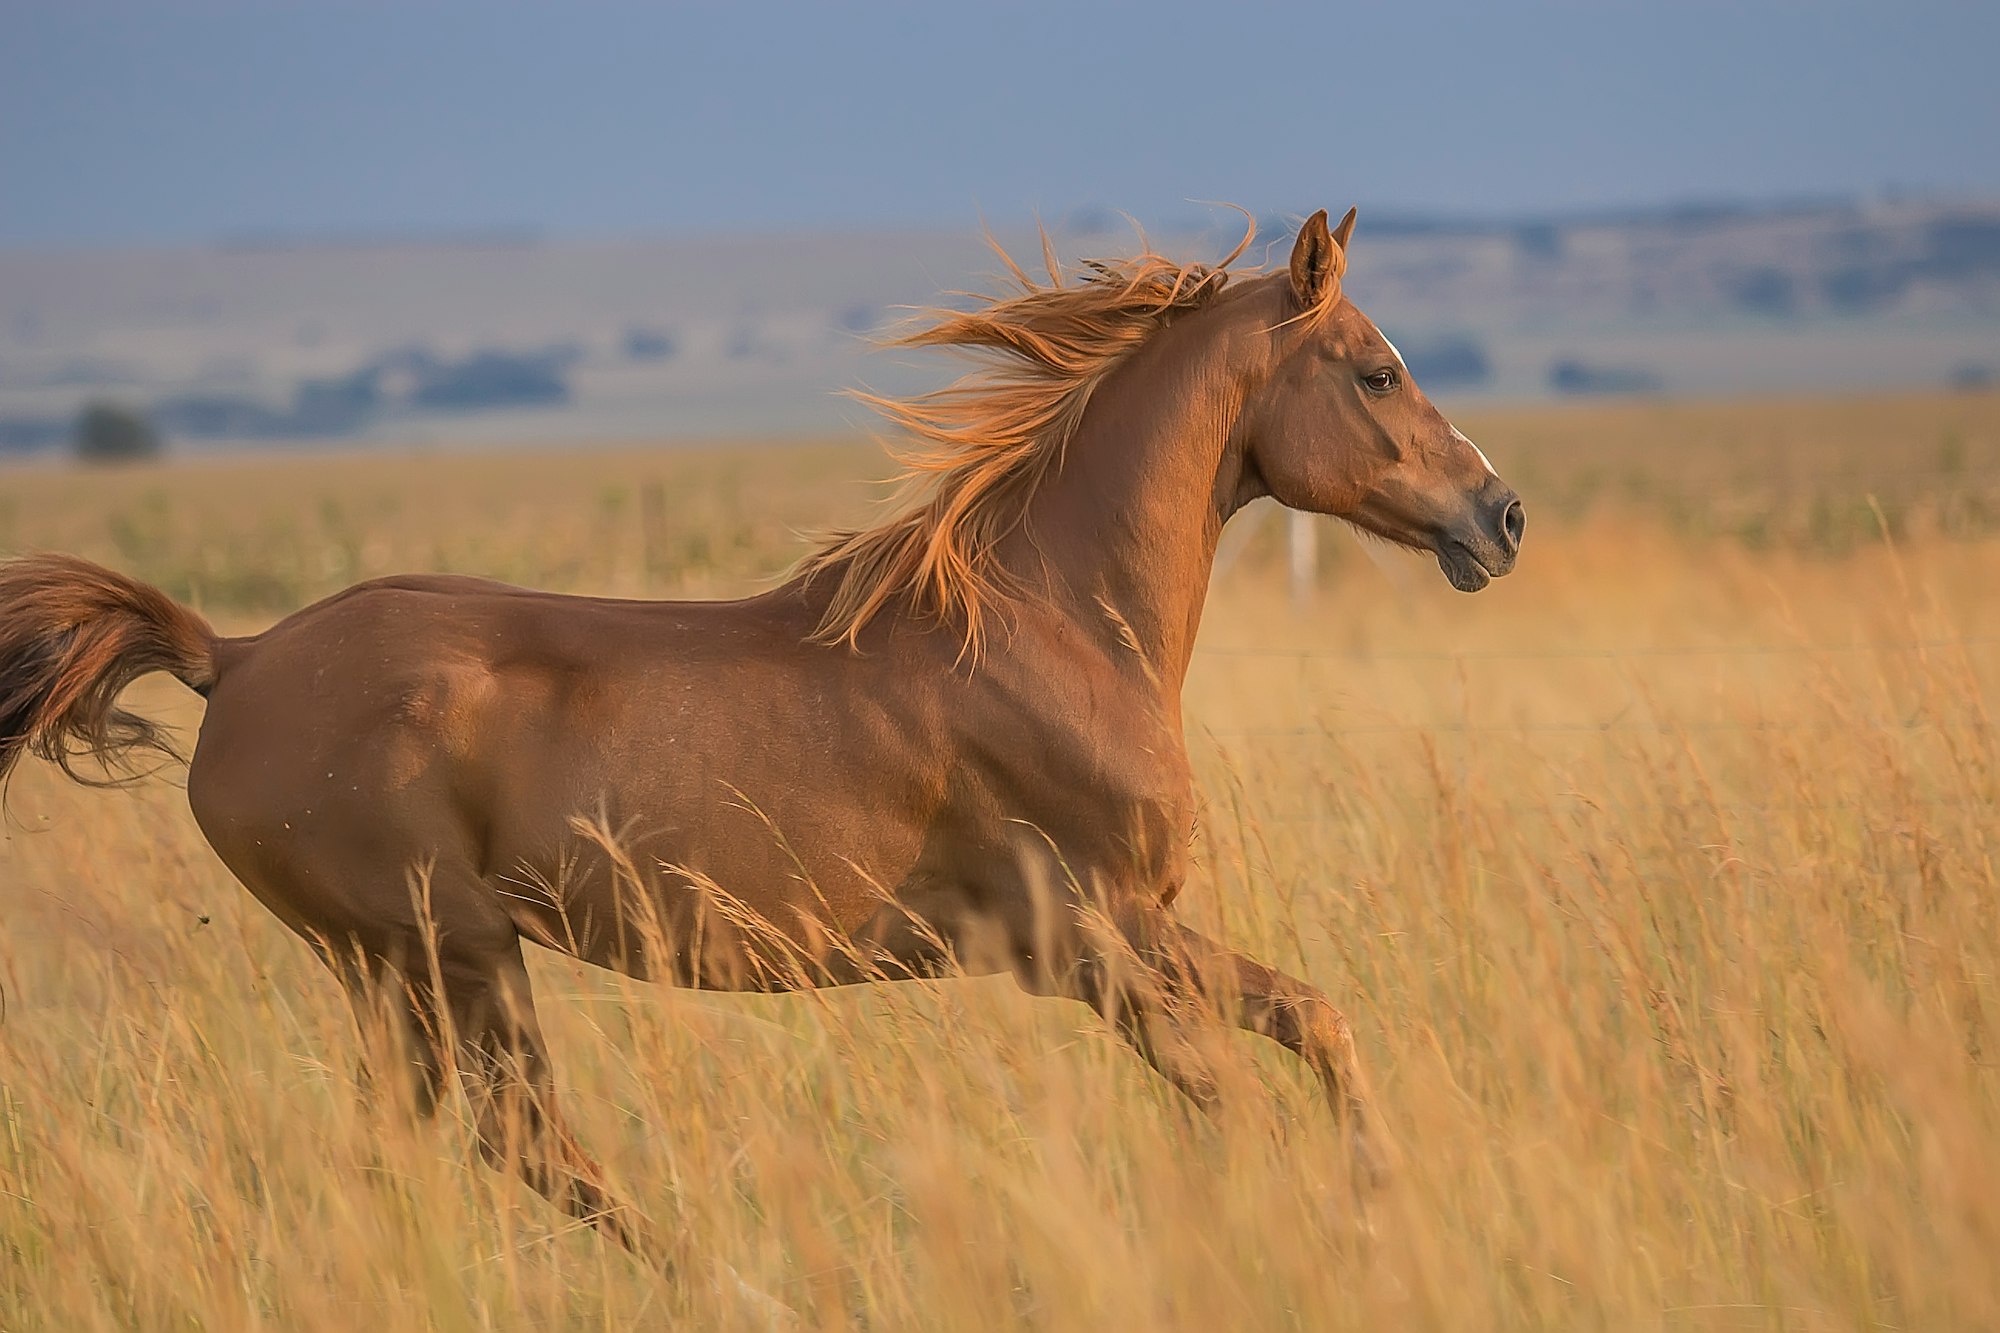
pixel 1305 557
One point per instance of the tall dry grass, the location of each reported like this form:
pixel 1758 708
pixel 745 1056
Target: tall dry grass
pixel 1658 881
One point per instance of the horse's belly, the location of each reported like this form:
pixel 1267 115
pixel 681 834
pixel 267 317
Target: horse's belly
pixel 657 848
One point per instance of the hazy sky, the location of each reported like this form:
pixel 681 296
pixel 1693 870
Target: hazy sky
pixel 176 120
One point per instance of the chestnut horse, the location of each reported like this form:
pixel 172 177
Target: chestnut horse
pixel 951 743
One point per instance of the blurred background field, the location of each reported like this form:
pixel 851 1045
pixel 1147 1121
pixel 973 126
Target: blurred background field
pixel 311 341
pixel 1657 880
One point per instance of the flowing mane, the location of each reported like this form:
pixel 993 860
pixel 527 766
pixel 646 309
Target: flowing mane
pixel 977 449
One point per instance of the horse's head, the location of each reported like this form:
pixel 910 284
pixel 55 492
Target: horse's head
pixel 1336 425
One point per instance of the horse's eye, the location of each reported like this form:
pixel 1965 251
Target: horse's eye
pixel 1382 381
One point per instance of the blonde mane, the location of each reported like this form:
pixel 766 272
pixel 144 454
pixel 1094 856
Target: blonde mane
pixel 977 449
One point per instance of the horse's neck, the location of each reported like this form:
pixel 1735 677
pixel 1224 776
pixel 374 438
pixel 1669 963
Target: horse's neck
pixel 1122 535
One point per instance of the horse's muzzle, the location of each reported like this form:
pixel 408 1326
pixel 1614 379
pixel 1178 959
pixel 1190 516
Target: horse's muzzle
pixel 1485 546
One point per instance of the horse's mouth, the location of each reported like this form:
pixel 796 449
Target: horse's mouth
pixel 1462 568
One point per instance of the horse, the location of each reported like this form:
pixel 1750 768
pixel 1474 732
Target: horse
pixel 951 743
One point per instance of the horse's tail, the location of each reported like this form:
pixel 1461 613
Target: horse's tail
pixel 72 636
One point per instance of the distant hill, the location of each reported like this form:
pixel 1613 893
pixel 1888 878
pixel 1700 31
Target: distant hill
pixel 486 337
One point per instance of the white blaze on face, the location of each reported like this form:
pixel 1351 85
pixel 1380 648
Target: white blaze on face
pixel 1456 433
pixel 1459 435
pixel 1394 350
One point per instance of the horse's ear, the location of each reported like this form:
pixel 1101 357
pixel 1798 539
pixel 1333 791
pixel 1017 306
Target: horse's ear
pixel 1317 262
pixel 1342 234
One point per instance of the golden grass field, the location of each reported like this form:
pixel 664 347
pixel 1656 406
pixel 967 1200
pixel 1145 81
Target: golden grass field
pixel 1658 880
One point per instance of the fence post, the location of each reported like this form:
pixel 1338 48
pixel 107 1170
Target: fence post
pixel 1305 557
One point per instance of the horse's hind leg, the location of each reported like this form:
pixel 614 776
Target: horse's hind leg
pixel 458 993
pixel 504 1067
pixel 436 981
pixel 402 1031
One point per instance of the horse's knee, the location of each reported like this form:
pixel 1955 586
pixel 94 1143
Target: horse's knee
pixel 1309 1024
pixel 1325 1027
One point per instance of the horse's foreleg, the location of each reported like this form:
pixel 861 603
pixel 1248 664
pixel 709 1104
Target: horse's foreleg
pixel 1138 1008
pixel 1175 977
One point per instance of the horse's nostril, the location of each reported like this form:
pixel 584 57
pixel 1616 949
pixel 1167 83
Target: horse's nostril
pixel 1512 523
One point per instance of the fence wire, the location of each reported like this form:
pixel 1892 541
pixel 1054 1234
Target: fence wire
pixel 1620 723
pixel 1363 656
